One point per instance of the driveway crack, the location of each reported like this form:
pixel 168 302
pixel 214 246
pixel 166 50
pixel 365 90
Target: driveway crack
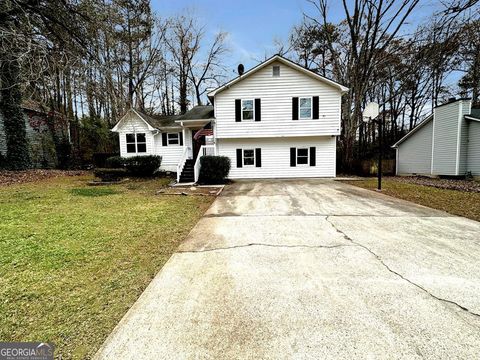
pixel 400 275
pixel 267 245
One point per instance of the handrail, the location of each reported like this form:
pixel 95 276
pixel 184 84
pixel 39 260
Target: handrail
pixel 181 163
pixel 204 150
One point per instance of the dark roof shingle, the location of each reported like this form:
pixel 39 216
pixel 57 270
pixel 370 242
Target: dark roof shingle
pixel 168 121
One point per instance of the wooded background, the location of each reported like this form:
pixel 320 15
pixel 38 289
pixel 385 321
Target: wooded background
pixel 88 61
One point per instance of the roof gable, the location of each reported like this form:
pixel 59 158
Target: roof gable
pixel 285 62
pixel 414 130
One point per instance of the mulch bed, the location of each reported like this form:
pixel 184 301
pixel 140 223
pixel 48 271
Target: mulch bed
pixel 451 184
pixel 20 177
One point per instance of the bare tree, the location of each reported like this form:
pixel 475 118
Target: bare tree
pixel 208 71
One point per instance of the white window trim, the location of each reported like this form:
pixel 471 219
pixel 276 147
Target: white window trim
pixel 311 107
pixel 253 107
pixel 243 158
pixel 308 156
pixel 178 139
pixel 136 143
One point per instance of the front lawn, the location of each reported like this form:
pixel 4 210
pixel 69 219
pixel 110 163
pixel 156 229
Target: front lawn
pixel 455 202
pixel 74 258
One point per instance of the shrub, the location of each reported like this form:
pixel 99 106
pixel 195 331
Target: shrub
pixel 143 165
pixel 99 159
pixel 110 174
pixel 115 162
pixel 214 169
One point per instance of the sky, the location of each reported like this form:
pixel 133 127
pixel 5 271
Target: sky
pixel 253 25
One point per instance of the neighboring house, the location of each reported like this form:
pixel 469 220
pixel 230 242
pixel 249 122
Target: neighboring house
pixel 43 128
pixel 445 143
pixel 277 120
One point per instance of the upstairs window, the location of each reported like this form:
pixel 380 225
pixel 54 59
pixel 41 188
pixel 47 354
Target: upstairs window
pixel 173 139
pixel 136 143
pixel 276 70
pixel 305 108
pixel 248 111
pixel 302 156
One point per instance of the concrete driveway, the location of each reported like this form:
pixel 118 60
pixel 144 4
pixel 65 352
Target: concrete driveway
pixel 311 269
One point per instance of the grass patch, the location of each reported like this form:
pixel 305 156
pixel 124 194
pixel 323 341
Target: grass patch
pixel 455 202
pixel 98 191
pixel 73 259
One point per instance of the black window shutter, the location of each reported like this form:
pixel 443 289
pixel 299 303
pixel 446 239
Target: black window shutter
pixel 295 108
pixel 313 154
pixel 238 110
pixel 315 104
pixel 293 157
pixel 239 158
pixel 258 157
pixel 258 110
pixel 180 136
pixel 164 139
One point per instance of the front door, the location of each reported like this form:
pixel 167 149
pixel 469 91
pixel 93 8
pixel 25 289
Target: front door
pixel 197 143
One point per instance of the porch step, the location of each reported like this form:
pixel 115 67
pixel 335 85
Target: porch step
pixel 188 174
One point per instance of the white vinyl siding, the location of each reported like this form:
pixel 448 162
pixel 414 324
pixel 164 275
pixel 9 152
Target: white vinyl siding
pixel 170 154
pixel 415 153
pixel 276 157
pixel 445 139
pixel 473 155
pixel 132 124
pixel 276 106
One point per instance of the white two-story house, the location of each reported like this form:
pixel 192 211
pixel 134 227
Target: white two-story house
pixel 277 120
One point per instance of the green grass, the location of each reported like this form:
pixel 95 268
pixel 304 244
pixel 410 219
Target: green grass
pixel 74 258
pixel 452 201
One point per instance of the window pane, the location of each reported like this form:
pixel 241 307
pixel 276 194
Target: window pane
pixel 141 138
pixel 302 152
pixel 130 148
pixel 305 113
pixel 142 148
pixel 276 71
pixel 305 102
pixel 248 157
pixel 247 114
pixel 173 138
pixel 130 138
pixel 247 104
pixel 248 161
pixel 247 153
pixel 302 160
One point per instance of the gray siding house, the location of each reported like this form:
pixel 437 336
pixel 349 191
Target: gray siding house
pixel 446 143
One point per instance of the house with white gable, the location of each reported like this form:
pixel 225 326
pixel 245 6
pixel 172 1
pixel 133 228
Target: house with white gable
pixel 277 120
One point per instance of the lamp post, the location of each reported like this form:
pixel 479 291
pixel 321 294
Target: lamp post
pixel 370 114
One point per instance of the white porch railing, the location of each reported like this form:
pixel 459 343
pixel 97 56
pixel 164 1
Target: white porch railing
pixel 204 150
pixel 181 163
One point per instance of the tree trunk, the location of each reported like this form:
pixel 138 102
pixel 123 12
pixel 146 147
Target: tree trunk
pixel 18 156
